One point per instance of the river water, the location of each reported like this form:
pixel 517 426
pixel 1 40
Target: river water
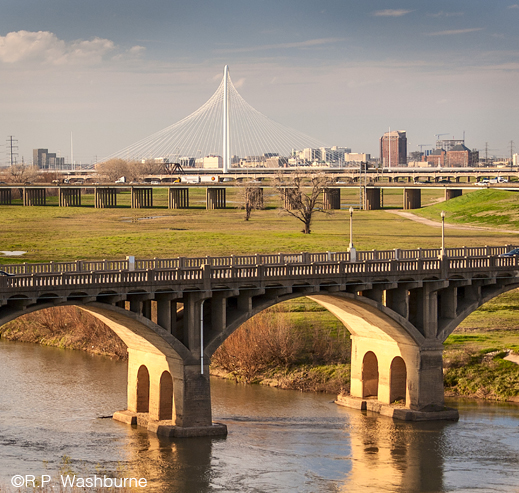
pixel 51 401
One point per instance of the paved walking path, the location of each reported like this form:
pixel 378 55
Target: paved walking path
pixel 437 224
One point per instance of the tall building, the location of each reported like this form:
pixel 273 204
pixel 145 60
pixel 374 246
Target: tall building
pixel 393 148
pixel 45 160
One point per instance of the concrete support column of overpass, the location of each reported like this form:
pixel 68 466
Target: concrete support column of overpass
pixel 34 196
pixel 166 309
pixel 452 193
pixel 140 304
pixel 5 196
pixel 288 199
pixel 178 198
pixel 142 198
pixel 331 198
pixel 215 198
pixel 70 197
pixel 412 198
pixel 105 198
pixel 373 199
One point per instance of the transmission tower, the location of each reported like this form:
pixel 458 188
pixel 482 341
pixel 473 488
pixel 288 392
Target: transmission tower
pixel 11 148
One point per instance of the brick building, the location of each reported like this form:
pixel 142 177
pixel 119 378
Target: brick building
pixel 435 158
pixel 461 156
pixel 458 156
pixel 393 149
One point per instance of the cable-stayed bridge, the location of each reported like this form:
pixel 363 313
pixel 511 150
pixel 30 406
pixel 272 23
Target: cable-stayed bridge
pixel 225 126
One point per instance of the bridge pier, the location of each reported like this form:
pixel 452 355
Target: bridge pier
pixel 412 198
pixel 105 198
pixel 168 397
pixel 34 196
pixel 288 198
pixel 142 198
pixel 215 198
pixel 178 198
pixel 373 199
pixel 391 372
pixel 332 199
pixel 452 193
pixel 5 196
pixel 70 197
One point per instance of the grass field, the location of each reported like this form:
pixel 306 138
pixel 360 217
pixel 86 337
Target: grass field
pixel 488 208
pixel 63 234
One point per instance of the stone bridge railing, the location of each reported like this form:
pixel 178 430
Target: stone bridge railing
pixel 255 268
pixel 250 260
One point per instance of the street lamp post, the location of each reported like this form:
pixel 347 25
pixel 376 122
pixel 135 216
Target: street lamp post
pixel 351 248
pixel 443 234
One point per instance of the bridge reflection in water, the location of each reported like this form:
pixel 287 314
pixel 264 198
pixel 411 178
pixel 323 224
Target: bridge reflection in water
pixel 287 441
pixel 399 306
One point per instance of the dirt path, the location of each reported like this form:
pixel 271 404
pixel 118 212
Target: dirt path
pixel 438 224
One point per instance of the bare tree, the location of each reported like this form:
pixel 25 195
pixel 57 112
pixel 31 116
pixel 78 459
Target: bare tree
pixel 20 173
pixel 116 168
pixel 148 167
pixel 251 198
pixel 299 201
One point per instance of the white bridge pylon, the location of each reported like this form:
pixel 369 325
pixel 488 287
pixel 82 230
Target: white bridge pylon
pixel 225 126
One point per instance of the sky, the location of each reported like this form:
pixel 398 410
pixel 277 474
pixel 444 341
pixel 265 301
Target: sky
pixel 103 74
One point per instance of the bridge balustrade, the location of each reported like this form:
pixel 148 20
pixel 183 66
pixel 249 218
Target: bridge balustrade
pixel 166 275
pixel 191 274
pixel 245 260
pixel 506 261
pixel 267 259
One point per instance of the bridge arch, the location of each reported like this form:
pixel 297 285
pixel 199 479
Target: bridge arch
pixel 162 372
pixel 360 315
pixel 374 328
pixel 471 303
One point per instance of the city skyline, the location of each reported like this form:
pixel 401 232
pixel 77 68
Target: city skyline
pixel 111 73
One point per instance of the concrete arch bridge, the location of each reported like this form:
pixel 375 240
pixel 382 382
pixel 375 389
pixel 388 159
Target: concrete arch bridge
pixel 399 305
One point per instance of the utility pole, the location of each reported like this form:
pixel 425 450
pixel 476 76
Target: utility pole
pixel 12 147
pixel 511 154
pixel 486 153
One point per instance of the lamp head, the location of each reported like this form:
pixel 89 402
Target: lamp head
pixel 443 214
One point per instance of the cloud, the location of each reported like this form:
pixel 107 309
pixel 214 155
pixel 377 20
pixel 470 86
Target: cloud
pixel 455 31
pixel 239 83
pixel 515 6
pixel 296 44
pixel 441 13
pixel 391 12
pixel 47 48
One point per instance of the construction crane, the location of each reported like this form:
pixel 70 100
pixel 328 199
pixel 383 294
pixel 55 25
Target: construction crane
pixel 423 145
pixel 439 135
